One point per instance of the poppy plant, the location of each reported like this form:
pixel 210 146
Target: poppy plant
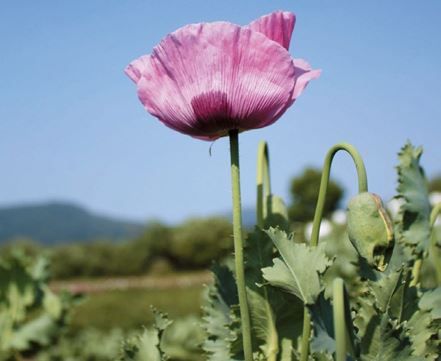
pixel 211 80
pixel 206 79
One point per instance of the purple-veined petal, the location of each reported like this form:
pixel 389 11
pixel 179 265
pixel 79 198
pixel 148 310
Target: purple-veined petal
pixel 135 69
pixel 277 26
pixel 304 74
pixel 205 79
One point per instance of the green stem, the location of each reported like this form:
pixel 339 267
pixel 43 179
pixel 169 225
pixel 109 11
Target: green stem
pixel 339 319
pixel 263 192
pixel 434 250
pixel 362 183
pixel 263 182
pixel 304 348
pixel 362 187
pixel 238 246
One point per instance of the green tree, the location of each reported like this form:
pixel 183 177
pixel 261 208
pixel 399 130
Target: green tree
pixel 435 184
pixel 198 242
pixel 304 193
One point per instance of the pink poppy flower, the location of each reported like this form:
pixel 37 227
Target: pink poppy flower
pixel 206 79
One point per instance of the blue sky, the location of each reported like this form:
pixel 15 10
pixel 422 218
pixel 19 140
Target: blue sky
pixel 72 128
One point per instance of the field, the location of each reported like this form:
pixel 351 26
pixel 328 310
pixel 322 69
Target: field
pixel 130 308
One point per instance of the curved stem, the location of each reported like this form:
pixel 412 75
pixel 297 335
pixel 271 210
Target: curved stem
pixel 362 183
pixel 339 319
pixel 362 187
pixel 238 245
pixel 263 182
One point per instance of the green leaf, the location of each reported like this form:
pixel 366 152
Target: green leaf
pixel 424 325
pixel 431 301
pixel 382 342
pixel 220 317
pixel 344 265
pixel 414 215
pixel 31 315
pixel 298 268
pixel 384 289
pixel 142 347
pixel 323 326
pixel 183 339
pixel 41 331
pixel 275 314
pixel 147 346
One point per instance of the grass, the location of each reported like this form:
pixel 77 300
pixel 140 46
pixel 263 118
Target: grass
pixel 130 309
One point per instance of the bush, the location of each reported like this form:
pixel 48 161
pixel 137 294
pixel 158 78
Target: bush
pixel 198 242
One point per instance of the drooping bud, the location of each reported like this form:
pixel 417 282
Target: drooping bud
pixel 370 229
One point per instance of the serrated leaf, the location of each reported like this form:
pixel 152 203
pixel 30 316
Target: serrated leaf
pixel 381 343
pixel 365 312
pixel 414 215
pixel 142 347
pixel 147 345
pixel 298 268
pixel 384 289
pixel 424 325
pixel 220 319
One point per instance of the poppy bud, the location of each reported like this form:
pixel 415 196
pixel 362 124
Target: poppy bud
pixel 370 229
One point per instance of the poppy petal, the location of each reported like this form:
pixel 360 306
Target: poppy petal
pixel 277 26
pixel 304 74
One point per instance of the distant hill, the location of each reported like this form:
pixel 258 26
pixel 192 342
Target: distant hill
pixel 52 223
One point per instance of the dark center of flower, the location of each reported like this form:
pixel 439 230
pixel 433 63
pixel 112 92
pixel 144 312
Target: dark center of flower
pixel 213 112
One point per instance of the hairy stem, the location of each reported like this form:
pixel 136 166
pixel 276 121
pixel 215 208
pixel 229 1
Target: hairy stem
pixel 238 246
pixel 362 187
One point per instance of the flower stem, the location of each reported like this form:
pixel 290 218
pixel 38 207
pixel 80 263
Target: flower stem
pixel 238 245
pixel 362 187
pixel 339 319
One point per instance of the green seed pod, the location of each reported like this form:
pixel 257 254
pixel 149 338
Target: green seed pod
pixel 370 229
